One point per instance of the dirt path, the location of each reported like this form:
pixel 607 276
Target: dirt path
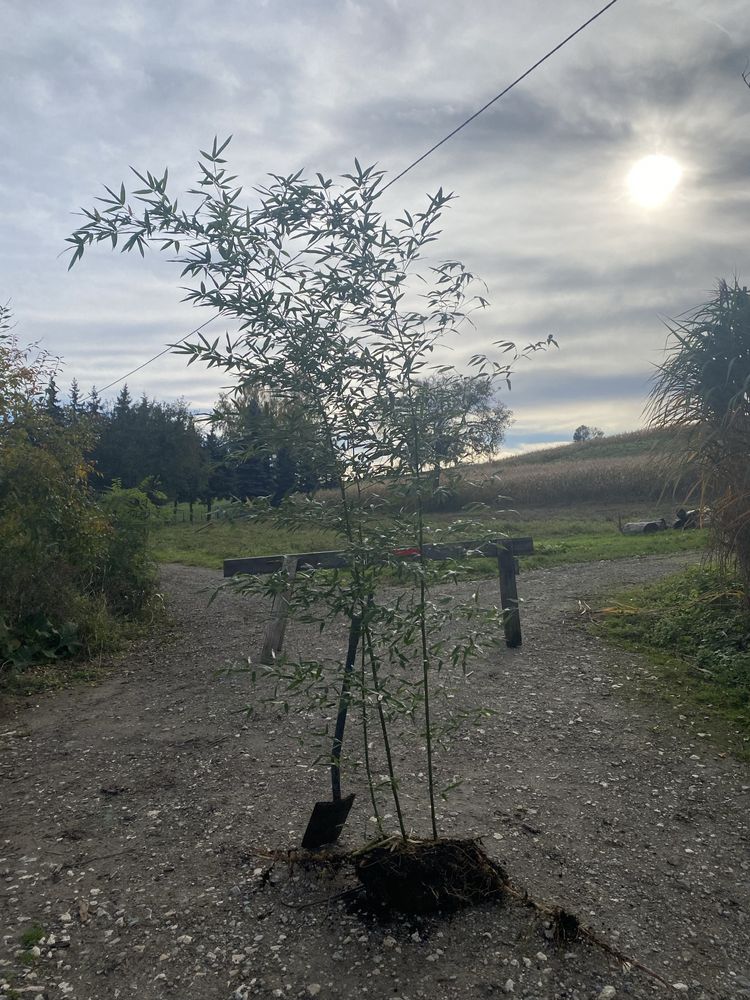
pixel 130 811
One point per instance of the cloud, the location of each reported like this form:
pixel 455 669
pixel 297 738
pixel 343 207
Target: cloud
pixel 543 214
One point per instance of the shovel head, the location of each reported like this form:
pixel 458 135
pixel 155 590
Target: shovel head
pixel 327 822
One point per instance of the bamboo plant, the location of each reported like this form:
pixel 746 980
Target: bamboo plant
pixel 341 311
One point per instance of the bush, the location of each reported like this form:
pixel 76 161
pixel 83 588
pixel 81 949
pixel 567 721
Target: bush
pixel 72 566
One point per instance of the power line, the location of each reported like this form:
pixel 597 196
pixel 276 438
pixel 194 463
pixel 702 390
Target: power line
pixel 411 166
pixel 502 93
pixel 160 354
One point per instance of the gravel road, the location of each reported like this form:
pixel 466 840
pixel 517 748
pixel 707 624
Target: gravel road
pixel 133 812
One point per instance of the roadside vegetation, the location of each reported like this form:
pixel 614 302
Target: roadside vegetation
pixel 695 631
pixel 696 627
pixel 77 570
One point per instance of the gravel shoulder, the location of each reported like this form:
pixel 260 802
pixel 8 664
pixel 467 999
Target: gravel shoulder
pixel 132 811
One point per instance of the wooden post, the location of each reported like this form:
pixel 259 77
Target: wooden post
pixel 276 627
pixel 506 565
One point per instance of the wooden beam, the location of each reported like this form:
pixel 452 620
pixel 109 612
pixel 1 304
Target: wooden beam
pixel 260 565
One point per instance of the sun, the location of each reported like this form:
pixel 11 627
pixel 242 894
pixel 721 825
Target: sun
pixel 653 179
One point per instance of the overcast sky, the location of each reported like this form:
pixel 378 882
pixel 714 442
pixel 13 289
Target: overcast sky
pixel 544 212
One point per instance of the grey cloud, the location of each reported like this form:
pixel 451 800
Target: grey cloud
pixel 543 215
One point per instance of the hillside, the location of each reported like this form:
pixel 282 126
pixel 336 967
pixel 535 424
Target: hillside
pixel 632 467
pixel 641 443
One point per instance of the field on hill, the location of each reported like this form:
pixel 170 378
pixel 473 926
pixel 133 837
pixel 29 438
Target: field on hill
pixel 625 469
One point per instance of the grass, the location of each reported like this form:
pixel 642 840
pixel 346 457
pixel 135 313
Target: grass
pixel 209 545
pixel 31 936
pixel 586 534
pixel 696 635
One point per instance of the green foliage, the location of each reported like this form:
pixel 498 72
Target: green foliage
pixel 70 565
pixel 31 936
pixel 35 639
pixel 337 313
pixel 697 626
pixel 150 440
pixel 703 386
pixel 459 418
pixel 273 446
pixel 127 571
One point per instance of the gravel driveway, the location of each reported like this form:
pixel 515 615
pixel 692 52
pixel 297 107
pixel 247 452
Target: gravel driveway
pixel 132 811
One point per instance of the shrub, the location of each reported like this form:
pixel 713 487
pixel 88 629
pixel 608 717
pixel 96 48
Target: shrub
pixel 71 565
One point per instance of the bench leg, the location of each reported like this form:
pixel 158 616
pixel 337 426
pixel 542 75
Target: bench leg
pixel 273 640
pixel 506 565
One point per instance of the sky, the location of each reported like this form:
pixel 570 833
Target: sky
pixel 544 212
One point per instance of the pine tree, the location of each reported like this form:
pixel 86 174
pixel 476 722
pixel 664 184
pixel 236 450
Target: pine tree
pixel 52 400
pixel 123 401
pixel 75 401
pixel 94 402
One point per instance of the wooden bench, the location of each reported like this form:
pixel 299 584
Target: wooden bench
pixel 505 550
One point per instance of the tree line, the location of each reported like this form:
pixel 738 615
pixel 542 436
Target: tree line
pixel 249 447
pixel 258 445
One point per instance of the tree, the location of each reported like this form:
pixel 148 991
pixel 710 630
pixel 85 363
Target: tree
pixel 74 405
pixel 274 444
pixel 703 387
pixel 23 372
pixel 94 403
pixel 52 399
pixel 336 311
pixel 586 433
pixel 461 420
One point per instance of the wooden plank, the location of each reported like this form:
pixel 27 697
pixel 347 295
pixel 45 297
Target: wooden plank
pixel 273 640
pixel 455 550
pixel 506 564
pixel 259 565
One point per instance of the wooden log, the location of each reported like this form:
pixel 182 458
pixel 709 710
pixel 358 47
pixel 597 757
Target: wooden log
pixel 644 527
pixel 504 549
pixel 506 565
pixel 273 640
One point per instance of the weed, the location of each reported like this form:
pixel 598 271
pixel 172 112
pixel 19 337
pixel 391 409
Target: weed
pixel 31 936
pixel 696 633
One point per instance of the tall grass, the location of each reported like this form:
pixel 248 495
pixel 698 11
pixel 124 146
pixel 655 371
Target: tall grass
pixel 703 387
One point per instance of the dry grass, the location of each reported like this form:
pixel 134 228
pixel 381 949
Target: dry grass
pixel 632 479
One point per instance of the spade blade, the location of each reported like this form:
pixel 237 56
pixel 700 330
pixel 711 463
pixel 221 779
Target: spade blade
pixel 327 822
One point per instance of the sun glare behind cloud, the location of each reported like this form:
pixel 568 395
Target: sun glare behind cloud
pixel 652 179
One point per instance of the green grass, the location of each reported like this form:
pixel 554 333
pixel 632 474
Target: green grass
pixel 585 534
pixel 31 936
pixel 696 635
pixel 209 545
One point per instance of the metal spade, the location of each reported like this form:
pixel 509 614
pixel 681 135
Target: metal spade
pixel 328 818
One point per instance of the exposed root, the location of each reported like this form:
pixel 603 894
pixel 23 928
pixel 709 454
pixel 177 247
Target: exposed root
pixel 427 876
pixel 422 876
pixel 567 929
